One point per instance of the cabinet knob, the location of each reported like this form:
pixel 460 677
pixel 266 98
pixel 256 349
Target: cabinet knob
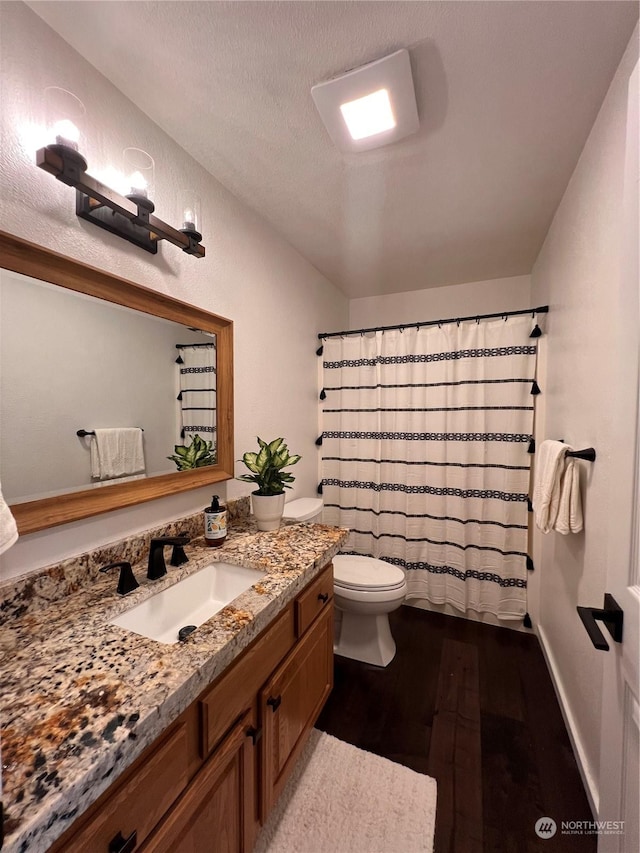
pixel 119 844
pixel 274 702
pixel 254 733
pixel 323 597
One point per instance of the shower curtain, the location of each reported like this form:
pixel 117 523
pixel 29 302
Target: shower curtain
pixel 197 397
pixel 426 433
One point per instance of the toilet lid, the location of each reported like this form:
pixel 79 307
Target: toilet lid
pixel 303 509
pixel 356 572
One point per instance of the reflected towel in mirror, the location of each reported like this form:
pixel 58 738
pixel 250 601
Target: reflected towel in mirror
pixel 116 452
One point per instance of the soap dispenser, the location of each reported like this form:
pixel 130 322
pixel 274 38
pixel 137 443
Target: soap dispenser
pixel 215 523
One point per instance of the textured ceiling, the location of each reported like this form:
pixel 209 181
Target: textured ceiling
pixel 507 93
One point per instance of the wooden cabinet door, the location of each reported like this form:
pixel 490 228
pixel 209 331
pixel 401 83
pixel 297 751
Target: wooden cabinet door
pixel 131 808
pixel 216 814
pixel 290 703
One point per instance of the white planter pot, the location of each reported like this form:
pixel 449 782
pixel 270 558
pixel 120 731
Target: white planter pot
pixel 267 510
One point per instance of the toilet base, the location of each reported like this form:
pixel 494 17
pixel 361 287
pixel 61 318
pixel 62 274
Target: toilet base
pixel 365 637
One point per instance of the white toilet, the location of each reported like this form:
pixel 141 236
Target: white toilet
pixel 365 590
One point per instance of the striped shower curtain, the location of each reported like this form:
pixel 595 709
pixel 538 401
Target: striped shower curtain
pixel 425 445
pixel 197 397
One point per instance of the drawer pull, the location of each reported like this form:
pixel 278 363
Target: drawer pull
pixel 275 703
pixel 254 733
pixel 118 844
pixel 323 597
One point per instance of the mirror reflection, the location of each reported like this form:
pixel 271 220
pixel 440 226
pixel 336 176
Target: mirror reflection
pixel 142 388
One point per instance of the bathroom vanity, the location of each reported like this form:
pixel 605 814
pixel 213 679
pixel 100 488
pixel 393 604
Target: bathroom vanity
pixel 218 770
pixel 113 742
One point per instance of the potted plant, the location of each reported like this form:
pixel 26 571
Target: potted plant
pixel 267 472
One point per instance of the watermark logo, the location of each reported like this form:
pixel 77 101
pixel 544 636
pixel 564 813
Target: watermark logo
pixel 546 827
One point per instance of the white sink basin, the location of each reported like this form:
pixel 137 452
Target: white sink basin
pixel 190 602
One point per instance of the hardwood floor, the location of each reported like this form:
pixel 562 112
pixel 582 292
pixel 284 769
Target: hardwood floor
pixel 474 707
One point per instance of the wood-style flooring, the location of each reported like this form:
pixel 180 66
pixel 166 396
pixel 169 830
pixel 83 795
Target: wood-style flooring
pixel 474 707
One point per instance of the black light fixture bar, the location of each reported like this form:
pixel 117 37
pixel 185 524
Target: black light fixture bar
pixel 106 208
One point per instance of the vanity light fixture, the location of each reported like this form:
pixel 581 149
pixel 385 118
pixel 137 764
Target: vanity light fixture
pixel 129 215
pixel 370 106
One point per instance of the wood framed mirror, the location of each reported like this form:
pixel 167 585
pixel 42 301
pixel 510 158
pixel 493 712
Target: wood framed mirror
pixel 45 266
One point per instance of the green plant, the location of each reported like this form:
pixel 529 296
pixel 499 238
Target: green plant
pixel 197 455
pixel 267 467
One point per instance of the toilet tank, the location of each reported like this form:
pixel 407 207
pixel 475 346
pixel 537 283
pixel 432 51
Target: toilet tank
pixel 303 509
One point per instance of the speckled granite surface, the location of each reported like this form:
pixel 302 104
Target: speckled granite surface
pixel 81 699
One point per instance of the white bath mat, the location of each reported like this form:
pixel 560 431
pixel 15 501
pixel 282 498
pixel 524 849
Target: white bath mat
pixel 341 799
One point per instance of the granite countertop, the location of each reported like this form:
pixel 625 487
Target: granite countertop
pixel 82 699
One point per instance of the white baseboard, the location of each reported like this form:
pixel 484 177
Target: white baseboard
pixel 588 779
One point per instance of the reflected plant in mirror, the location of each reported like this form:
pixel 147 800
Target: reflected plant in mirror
pixel 198 454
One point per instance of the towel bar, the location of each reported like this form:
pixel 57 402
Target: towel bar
pixel 588 454
pixel 81 433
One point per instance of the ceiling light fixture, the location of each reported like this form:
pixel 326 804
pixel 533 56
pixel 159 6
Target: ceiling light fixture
pixel 369 115
pixel 129 215
pixel 370 106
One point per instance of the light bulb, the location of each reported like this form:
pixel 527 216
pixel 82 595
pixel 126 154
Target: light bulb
pixel 191 218
pixel 138 184
pixel 66 133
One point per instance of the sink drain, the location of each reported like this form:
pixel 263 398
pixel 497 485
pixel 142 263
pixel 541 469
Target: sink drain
pixel 183 633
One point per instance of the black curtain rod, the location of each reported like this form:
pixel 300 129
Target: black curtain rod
pixel 543 309
pixel 186 346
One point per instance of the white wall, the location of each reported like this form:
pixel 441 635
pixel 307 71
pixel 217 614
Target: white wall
pixel 435 303
pixel 278 301
pixel 590 351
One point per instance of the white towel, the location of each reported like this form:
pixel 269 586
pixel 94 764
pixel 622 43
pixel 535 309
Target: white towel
pixel 547 481
pixel 569 518
pixel 116 453
pixel 8 529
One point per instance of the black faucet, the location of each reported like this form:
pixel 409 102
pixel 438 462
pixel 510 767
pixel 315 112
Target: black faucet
pixel 126 582
pixel 157 567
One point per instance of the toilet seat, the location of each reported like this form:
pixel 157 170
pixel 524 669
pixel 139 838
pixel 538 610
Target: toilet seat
pixel 354 572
